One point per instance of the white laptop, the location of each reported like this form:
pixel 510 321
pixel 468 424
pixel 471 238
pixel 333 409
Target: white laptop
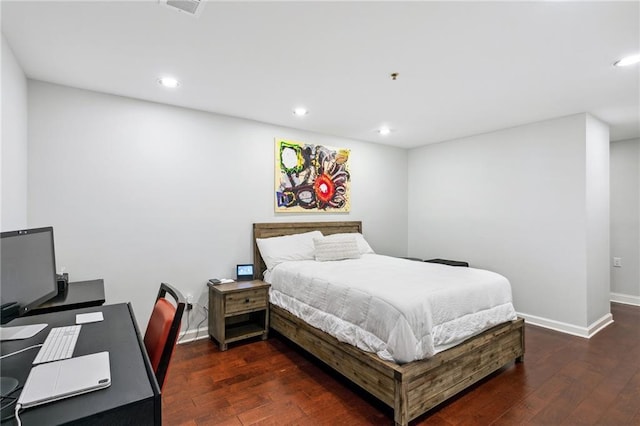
pixel 66 378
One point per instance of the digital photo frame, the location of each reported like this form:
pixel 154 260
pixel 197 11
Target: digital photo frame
pixel 244 272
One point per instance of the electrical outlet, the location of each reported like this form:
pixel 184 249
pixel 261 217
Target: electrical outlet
pixel 617 262
pixel 189 302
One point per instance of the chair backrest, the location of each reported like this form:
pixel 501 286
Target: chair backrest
pixel 162 330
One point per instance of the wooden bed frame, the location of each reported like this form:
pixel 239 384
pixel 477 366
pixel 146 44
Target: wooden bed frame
pixel 410 389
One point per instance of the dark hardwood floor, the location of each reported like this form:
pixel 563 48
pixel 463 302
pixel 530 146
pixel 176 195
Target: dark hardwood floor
pixel 564 380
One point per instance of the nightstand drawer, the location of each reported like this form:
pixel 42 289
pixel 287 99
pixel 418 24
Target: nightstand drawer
pixel 245 301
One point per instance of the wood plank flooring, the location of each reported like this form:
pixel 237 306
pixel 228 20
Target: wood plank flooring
pixel 564 380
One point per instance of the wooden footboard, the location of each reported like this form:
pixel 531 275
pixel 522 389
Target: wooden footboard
pixel 414 388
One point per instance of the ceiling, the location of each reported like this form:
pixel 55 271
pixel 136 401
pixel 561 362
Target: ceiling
pixel 464 67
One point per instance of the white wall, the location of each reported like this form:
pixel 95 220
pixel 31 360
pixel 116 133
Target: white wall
pixel 13 214
pixel 625 220
pixel 598 221
pixel 140 193
pixel 514 201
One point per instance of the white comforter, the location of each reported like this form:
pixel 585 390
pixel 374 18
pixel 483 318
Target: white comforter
pixel 402 310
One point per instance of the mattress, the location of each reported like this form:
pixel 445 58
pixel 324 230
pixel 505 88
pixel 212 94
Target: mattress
pixel 400 309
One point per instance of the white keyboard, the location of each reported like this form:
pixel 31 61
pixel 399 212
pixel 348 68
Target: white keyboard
pixel 59 344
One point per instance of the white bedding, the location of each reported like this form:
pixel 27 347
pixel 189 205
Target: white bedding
pixel 402 310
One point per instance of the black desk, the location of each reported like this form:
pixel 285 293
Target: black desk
pixel 79 294
pixel 134 394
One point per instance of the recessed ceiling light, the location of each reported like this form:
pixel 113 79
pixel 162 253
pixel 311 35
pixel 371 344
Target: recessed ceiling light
pixel 629 60
pixel 300 111
pixel 169 82
pixel 384 130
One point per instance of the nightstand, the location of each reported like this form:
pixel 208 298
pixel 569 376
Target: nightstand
pixel 238 310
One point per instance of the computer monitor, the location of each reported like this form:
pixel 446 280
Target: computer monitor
pixel 28 268
pixel 27 279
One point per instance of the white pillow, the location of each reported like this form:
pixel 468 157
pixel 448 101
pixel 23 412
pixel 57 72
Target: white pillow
pixel 336 247
pixel 276 250
pixel 363 245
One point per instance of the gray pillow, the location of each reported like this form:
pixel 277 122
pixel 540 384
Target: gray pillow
pixel 336 247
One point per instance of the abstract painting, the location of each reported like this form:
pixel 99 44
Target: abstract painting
pixel 311 178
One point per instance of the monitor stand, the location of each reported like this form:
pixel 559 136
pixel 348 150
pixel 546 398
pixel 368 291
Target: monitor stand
pixel 20 332
pixel 7 385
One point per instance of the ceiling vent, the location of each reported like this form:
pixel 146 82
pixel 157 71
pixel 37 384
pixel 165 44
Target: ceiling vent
pixel 188 7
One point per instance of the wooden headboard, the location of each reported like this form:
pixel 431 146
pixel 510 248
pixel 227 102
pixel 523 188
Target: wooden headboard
pixel 267 230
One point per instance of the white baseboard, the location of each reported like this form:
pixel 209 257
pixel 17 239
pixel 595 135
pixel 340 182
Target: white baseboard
pixel 563 327
pixel 627 299
pixel 193 335
pixel 595 327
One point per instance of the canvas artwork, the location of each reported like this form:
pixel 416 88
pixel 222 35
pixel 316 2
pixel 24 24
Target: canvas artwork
pixel 311 178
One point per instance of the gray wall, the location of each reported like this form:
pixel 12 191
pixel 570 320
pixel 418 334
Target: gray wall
pixel 13 214
pixel 140 193
pixel 514 201
pixel 625 219
pixel 598 221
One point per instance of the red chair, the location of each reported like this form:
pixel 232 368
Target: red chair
pixel 162 330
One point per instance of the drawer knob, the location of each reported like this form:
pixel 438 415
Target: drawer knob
pixel 246 300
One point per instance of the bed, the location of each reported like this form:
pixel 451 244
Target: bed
pixel 412 388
